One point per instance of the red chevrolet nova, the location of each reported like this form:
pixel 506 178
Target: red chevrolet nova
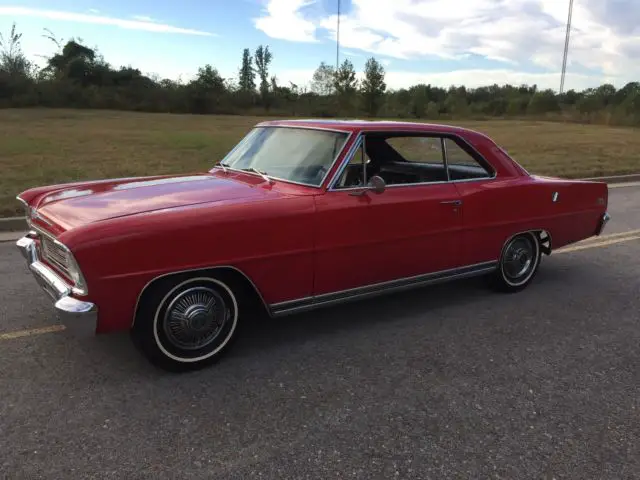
pixel 299 215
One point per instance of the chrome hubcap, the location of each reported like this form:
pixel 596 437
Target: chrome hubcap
pixel 519 258
pixel 195 318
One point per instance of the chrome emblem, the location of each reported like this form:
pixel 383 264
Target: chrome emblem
pixel 554 197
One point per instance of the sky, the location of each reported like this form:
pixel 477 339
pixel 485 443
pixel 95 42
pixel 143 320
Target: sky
pixel 441 42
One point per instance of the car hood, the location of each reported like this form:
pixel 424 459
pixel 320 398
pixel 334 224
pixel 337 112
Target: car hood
pixel 91 202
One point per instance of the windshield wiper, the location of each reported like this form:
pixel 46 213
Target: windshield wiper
pixel 259 172
pixel 223 166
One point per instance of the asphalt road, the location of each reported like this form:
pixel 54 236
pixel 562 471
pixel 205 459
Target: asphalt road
pixel 452 381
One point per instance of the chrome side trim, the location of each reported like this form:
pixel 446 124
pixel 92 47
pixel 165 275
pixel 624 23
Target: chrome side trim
pixel 200 269
pixel 324 178
pixel 360 138
pixel 334 298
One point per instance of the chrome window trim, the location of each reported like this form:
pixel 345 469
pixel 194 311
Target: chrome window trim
pixel 349 135
pixel 345 161
pixel 445 160
pixel 305 127
pixel 493 174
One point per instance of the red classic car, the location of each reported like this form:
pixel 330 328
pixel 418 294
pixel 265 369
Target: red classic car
pixel 300 214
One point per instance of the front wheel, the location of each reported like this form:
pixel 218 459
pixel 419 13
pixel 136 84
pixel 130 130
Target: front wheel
pixel 186 323
pixel 518 264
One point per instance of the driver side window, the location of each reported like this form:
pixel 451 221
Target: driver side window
pixel 354 174
pixel 398 158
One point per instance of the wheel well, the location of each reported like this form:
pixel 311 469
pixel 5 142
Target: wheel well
pixel 239 283
pixel 545 240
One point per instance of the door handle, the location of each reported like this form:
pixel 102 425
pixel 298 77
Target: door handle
pixel 452 202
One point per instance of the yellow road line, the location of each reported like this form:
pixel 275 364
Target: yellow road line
pixel 611 235
pixel 603 243
pixel 31 332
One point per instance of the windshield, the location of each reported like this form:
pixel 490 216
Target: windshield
pixel 300 155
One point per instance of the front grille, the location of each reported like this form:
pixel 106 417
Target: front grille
pixel 54 254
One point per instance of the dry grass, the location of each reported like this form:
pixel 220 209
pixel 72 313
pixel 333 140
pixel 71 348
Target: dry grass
pixel 40 147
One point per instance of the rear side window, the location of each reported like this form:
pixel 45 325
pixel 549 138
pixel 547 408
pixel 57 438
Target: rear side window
pixel 461 164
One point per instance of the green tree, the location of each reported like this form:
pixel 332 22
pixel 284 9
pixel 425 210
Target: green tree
pixel 544 101
pixel 373 86
pixel 263 59
pixel 323 81
pixel 206 90
pixel 345 81
pixel 12 59
pixel 247 75
pixel 346 85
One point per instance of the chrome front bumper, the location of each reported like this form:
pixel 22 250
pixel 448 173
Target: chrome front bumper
pixel 603 222
pixel 77 315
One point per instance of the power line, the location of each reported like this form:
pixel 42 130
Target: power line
pixel 566 47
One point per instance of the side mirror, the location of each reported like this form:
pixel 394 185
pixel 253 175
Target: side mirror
pixel 377 184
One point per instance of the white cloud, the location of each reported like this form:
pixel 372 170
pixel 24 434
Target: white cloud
pixel 99 19
pixel 349 53
pixel 283 19
pixel 605 34
pixel 143 18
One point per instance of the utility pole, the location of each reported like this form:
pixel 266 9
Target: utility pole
pixel 338 40
pixel 566 47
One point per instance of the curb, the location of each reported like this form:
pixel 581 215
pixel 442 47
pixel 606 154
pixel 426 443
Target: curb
pixel 13 224
pixel 632 177
pixel 19 224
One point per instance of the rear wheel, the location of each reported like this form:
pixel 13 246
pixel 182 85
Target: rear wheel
pixel 519 263
pixel 186 323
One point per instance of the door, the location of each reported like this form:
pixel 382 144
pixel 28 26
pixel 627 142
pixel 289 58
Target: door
pixel 411 228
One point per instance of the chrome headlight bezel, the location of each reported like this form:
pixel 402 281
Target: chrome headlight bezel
pixel 75 272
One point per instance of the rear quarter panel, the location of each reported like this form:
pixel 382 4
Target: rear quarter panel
pixel 494 210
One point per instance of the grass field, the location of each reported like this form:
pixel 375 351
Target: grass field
pixel 40 147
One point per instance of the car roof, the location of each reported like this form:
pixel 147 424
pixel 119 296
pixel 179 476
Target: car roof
pixel 357 125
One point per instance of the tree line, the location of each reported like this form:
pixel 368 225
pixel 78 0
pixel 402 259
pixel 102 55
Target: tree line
pixel 77 76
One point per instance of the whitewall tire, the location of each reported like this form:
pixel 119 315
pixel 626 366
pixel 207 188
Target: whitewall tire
pixel 519 262
pixel 185 323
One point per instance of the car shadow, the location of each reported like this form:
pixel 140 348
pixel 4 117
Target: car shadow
pixel 262 334
pixel 408 306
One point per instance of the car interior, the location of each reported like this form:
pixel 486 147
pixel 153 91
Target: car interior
pixel 384 160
